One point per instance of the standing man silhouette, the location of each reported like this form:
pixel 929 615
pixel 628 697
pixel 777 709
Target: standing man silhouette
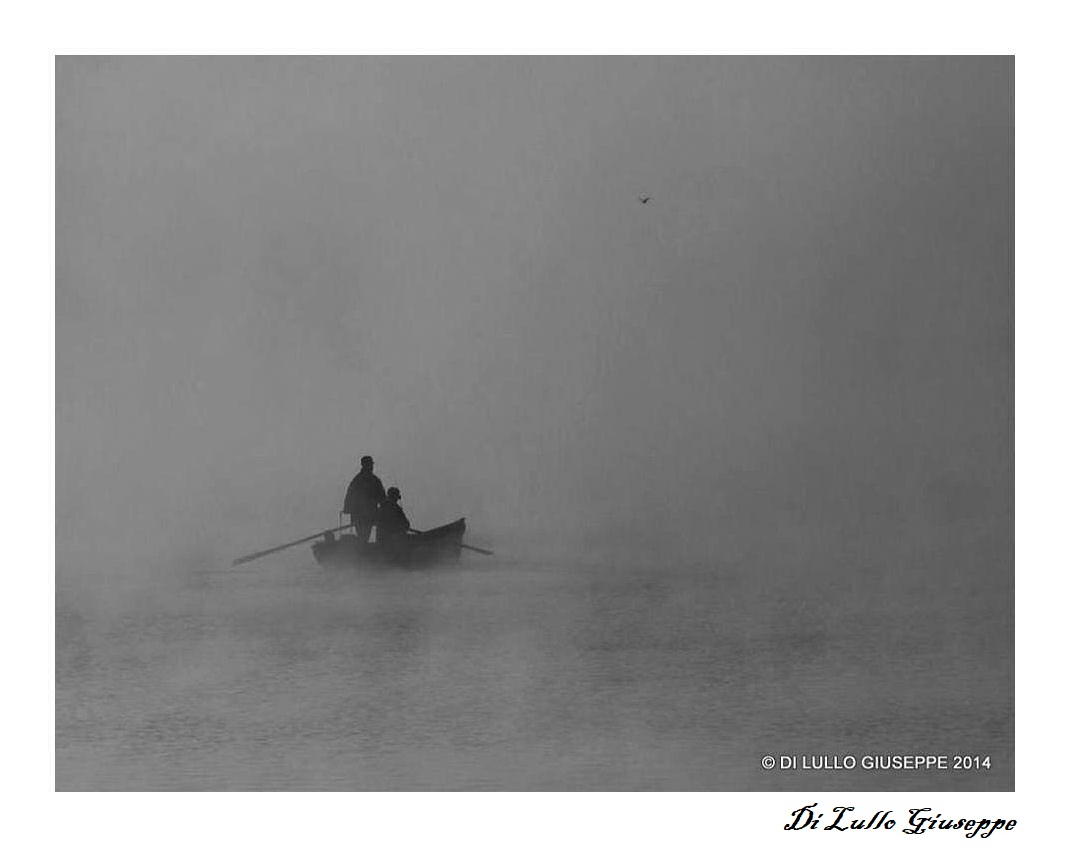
pixel 363 497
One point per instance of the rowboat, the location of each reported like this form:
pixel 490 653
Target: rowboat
pixel 440 544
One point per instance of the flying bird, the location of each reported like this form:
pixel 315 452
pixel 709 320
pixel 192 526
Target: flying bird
pixel 644 200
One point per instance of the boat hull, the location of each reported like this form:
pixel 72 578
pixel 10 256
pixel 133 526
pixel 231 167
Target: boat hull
pixel 442 544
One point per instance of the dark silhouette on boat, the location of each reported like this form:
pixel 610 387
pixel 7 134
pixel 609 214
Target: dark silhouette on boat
pixel 441 544
pixel 363 498
pixel 396 542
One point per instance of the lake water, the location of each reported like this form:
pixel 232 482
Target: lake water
pixel 512 674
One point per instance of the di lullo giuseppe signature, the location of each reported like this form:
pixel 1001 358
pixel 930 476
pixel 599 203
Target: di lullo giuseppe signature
pixel 844 819
pixel 880 762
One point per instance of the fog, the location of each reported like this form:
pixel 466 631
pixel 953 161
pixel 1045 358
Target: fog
pixel 267 267
pixel 742 450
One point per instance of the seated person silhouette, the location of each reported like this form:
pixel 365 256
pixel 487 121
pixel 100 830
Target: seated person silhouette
pixel 391 525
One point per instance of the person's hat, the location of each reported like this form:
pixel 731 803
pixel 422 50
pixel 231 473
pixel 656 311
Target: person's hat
pixel 365 460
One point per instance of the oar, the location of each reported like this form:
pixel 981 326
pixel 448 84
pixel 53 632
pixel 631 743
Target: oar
pixel 478 550
pixel 243 559
pixel 465 546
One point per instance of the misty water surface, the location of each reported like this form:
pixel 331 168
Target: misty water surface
pixel 623 674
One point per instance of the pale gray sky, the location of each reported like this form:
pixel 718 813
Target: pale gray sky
pixel 269 266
